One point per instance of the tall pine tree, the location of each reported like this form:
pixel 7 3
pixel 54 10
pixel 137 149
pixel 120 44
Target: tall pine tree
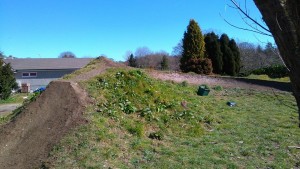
pixel 7 80
pixel 193 46
pixel 228 57
pixel 164 63
pixel 213 51
pixel 132 61
pixel 236 55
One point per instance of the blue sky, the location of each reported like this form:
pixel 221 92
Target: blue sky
pixel 90 28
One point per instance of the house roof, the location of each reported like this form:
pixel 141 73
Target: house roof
pixel 47 63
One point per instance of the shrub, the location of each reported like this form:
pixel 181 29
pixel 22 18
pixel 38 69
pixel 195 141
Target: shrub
pixel 198 65
pixel 275 71
pixel 218 88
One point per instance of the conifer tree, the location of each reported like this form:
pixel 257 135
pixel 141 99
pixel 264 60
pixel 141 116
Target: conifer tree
pixel 7 80
pixel 236 55
pixel 164 63
pixel 132 61
pixel 193 45
pixel 213 51
pixel 228 58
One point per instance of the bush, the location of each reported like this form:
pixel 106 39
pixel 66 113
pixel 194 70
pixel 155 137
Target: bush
pixel 275 71
pixel 198 65
pixel 218 88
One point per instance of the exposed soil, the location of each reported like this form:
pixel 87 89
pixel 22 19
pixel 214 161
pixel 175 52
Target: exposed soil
pixel 100 68
pixel 27 140
pixel 226 82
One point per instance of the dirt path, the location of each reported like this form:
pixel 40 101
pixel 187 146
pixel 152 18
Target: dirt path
pixel 222 81
pixel 7 108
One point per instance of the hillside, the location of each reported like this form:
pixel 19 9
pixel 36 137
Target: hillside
pixel 109 116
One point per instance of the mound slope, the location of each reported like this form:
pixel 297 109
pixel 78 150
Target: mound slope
pixel 27 140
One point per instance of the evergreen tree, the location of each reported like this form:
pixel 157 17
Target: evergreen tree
pixel 259 49
pixel 132 61
pixel 236 55
pixel 213 51
pixel 193 45
pixel 164 63
pixel 228 58
pixel 269 49
pixel 7 80
pixel 1 55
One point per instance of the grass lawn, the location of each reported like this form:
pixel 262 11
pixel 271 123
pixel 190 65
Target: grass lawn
pixel 14 98
pixel 266 77
pixel 138 122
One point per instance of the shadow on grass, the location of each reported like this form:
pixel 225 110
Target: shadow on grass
pixel 283 86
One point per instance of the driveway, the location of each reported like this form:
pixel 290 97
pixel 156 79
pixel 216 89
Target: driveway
pixel 7 108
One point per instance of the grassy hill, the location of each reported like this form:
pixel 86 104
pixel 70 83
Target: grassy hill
pixel 138 122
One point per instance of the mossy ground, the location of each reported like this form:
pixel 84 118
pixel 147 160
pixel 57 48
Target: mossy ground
pixel 138 122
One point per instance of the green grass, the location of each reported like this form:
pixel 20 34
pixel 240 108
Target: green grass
pixel 90 66
pixel 138 122
pixel 266 77
pixel 14 98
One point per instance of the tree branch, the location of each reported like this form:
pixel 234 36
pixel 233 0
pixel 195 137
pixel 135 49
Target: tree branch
pixel 246 29
pixel 249 17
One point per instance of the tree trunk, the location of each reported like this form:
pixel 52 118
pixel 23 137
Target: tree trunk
pixel 283 19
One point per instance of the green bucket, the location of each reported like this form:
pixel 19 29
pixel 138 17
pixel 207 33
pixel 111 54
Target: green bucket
pixel 203 90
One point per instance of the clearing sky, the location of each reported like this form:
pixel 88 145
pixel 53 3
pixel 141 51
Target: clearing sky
pixel 90 28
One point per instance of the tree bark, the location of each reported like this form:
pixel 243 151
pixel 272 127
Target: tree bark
pixel 283 19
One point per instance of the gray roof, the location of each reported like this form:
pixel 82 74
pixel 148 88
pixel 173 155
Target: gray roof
pixel 47 63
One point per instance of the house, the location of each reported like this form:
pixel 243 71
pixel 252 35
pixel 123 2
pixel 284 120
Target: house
pixel 39 72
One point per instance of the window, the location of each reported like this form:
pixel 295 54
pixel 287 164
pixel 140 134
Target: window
pixel 29 74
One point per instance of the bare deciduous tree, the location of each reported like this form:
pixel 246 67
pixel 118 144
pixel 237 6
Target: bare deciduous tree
pixel 142 51
pixel 255 57
pixel 283 20
pixel 67 55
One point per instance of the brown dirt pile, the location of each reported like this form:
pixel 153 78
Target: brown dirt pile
pixel 27 140
pixel 101 66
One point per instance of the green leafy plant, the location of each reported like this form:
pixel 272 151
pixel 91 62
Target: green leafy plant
pixel 127 107
pixel 218 88
pixel 137 129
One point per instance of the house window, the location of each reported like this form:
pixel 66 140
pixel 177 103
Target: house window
pixel 29 74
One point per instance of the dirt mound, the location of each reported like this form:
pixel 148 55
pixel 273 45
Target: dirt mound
pixel 99 66
pixel 27 140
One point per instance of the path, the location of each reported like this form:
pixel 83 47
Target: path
pixel 7 108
